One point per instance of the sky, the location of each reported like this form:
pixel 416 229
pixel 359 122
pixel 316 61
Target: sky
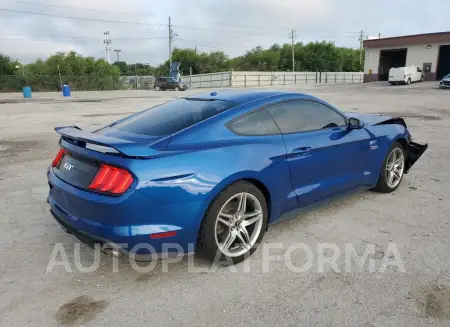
pixel 32 29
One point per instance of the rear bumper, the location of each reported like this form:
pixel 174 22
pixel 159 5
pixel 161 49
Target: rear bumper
pixel 393 80
pixel 126 223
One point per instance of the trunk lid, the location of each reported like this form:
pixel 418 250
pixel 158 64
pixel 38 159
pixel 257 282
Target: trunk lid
pixel 75 170
pixel 84 153
pixel 113 141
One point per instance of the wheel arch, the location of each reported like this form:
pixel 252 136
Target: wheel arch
pixel 403 142
pixel 249 177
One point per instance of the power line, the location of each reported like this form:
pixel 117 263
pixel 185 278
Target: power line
pixel 283 28
pixel 125 22
pixel 186 26
pixel 207 44
pixel 81 9
pixel 83 37
pixel 157 24
pixel 80 18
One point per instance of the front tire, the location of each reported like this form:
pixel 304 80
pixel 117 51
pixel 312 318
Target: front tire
pixel 177 88
pixel 408 81
pixel 234 224
pixel 157 88
pixel 422 78
pixel 392 170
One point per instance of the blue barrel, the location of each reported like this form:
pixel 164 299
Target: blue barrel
pixel 66 90
pixel 26 90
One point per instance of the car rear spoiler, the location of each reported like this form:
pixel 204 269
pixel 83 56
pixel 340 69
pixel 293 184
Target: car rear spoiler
pixel 74 134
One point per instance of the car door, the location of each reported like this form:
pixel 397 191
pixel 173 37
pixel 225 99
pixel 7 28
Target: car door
pixel 164 83
pixel 418 74
pixel 325 157
pixel 171 83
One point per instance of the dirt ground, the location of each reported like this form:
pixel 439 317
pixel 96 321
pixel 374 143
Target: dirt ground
pixel 415 219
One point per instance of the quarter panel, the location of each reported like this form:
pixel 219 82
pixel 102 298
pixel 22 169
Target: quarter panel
pixel 384 135
pixel 200 175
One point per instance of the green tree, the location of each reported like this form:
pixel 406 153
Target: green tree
pixel 7 65
pixel 82 73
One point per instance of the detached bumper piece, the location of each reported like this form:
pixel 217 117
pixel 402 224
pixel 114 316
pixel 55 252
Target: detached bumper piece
pixel 415 151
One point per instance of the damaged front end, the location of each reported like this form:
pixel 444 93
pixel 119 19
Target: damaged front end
pixel 414 150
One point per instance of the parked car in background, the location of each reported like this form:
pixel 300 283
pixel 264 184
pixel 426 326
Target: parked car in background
pixel 213 170
pixel 405 75
pixel 445 82
pixel 169 83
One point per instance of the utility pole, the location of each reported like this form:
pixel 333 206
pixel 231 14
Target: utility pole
pixel 379 35
pixel 361 36
pixel 107 41
pixel 293 36
pixel 117 53
pixel 172 35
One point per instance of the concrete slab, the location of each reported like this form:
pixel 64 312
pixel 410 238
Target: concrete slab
pixel 415 218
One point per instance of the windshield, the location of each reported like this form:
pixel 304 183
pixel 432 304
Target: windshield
pixel 447 76
pixel 172 117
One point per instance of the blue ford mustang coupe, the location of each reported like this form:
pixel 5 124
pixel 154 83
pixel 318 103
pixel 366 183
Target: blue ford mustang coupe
pixel 211 171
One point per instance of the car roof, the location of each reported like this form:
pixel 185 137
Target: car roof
pixel 240 96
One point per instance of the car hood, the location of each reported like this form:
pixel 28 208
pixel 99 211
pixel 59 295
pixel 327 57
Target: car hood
pixel 445 80
pixel 369 119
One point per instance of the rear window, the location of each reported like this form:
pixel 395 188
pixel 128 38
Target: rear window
pixel 172 117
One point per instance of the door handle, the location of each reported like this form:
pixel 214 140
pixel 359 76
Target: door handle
pixel 302 150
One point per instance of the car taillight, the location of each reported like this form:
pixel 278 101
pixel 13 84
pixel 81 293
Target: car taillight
pixel 58 158
pixel 111 179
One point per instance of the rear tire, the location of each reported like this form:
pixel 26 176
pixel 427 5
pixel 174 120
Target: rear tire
pixel 230 232
pixel 157 88
pixel 177 88
pixel 392 170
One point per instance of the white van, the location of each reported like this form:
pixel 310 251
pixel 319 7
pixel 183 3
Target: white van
pixel 405 75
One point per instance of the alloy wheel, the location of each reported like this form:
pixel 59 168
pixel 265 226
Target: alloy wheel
pixel 395 167
pixel 238 224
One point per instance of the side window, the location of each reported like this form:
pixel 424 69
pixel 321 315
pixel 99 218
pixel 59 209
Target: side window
pixel 303 115
pixel 256 123
pixel 418 70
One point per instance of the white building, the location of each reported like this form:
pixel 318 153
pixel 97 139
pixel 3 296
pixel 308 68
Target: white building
pixel 431 52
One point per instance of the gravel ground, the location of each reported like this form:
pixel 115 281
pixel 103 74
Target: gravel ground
pixel 259 292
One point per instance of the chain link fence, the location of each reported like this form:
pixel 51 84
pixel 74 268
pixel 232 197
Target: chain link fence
pixel 49 83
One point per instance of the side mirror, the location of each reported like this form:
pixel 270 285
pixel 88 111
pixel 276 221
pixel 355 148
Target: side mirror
pixel 355 123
